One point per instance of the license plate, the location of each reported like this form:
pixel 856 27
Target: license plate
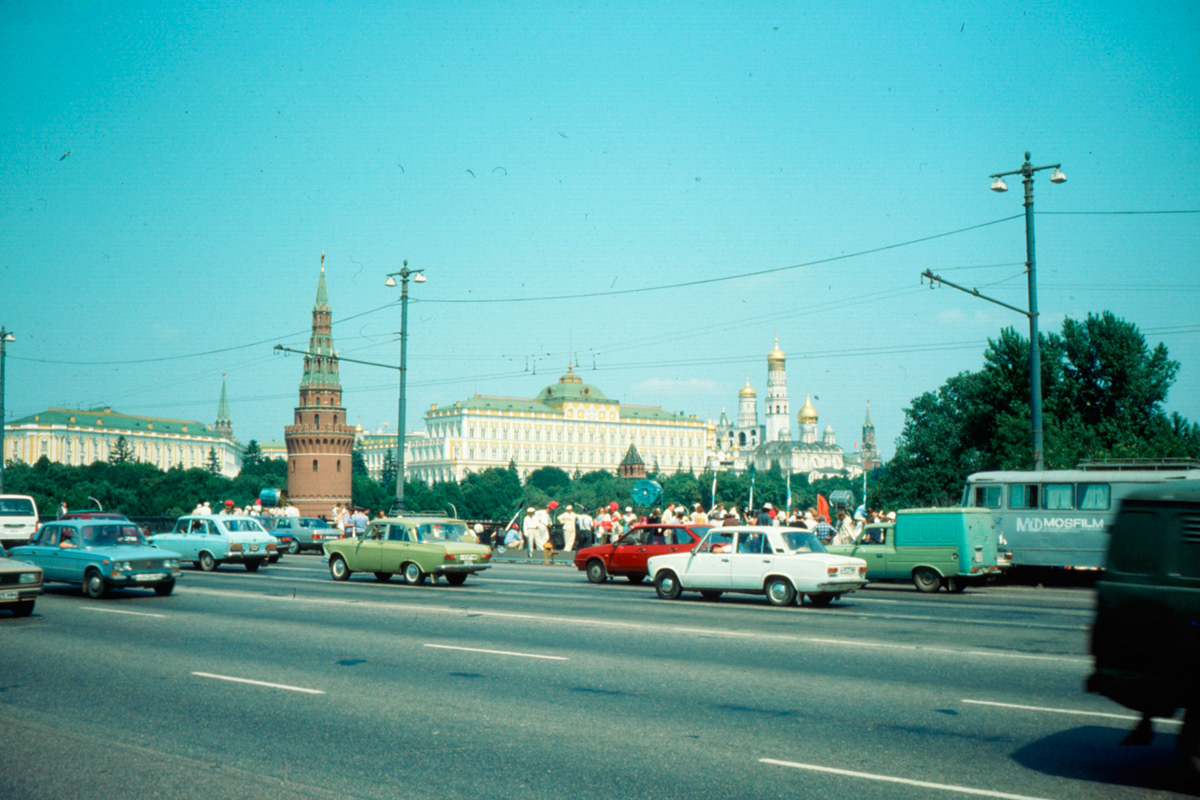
pixel 849 570
pixel 253 548
pixel 149 576
pixel 10 596
pixel 468 558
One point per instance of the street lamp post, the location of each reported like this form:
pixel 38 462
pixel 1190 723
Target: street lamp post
pixel 417 276
pixel 1035 359
pixel 5 338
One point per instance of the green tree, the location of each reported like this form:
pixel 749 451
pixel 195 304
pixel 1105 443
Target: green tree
pixel 121 452
pixel 358 463
pixel 551 480
pixel 252 455
pixel 213 463
pixel 387 475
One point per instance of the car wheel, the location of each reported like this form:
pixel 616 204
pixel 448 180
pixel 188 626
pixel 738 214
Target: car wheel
pixel 293 548
pixel 207 562
pixel 164 588
pixel 821 599
pixel 252 566
pixel 667 585
pixel 926 580
pixel 383 577
pixel 413 575
pixel 1189 747
pixel 637 577
pixel 94 585
pixel 780 592
pixel 596 573
pixel 456 578
pixel 23 608
pixel 711 594
pixel 338 570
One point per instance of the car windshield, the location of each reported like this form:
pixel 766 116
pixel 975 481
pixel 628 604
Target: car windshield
pixel 110 535
pixel 312 523
pixel 441 531
pixel 242 525
pixel 802 542
pixel 15 507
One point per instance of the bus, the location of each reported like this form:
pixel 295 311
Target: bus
pixel 1060 518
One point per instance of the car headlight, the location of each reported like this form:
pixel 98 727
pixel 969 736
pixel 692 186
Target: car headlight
pixel 119 566
pixel 28 577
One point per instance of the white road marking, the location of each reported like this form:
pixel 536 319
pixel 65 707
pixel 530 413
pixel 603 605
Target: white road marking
pixel 119 611
pixel 945 787
pixel 1071 711
pixel 497 652
pixel 408 608
pixel 258 683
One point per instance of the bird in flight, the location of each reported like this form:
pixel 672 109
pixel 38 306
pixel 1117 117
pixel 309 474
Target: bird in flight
pixel 64 155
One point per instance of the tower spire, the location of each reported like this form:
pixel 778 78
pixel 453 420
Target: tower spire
pixel 224 425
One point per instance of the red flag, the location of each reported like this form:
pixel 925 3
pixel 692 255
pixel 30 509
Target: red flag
pixel 823 507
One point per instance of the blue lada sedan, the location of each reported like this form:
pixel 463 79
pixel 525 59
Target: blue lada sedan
pixel 100 554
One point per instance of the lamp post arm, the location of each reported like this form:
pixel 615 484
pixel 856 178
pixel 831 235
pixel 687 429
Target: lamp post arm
pixel 974 292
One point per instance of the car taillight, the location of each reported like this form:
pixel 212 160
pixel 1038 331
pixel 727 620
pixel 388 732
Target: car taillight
pixel 317 537
pixel 862 571
pixel 271 545
pixel 832 571
pixel 235 548
pixel 449 557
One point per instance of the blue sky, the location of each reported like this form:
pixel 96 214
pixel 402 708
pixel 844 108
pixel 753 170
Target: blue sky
pixel 529 152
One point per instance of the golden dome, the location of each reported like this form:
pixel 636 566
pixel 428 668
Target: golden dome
pixel 570 377
pixel 776 356
pixel 808 413
pixel 747 390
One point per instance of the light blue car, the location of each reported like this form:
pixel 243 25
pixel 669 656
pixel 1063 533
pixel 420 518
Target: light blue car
pixel 100 554
pixel 210 540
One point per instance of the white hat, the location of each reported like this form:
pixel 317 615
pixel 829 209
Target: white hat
pixel 628 508
pixel 530 510
pixel 767 505
pixel 570 507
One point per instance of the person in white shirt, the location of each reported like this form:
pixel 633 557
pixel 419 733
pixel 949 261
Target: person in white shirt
pixel 568 519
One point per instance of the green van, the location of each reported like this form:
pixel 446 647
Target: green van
pixel 932 547
pixel 1146 638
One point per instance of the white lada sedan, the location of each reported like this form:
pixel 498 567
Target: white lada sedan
pixel 783 563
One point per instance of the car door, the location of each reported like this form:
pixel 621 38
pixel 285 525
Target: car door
pixel 709 565
pixel 629 553
pixel 752 559
pixel 43 551
pixel 364 553
pixel 394 550
pixel 72 561
pixel 876 548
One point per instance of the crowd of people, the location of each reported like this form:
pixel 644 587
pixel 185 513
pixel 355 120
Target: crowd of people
pixel 582 528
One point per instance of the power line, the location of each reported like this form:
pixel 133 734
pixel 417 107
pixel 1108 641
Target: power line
pixel 1117 213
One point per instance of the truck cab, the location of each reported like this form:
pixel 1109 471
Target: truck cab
pixel 934 548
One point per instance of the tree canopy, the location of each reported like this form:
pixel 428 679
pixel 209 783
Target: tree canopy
pixel 1103 391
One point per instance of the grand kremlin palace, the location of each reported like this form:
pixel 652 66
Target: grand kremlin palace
pixel 570 425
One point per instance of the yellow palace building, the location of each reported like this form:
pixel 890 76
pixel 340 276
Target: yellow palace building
pixel 571 425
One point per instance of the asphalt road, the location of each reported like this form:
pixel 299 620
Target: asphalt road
pixel 529 682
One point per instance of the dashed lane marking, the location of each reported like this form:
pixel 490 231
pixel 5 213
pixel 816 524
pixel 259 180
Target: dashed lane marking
pixel 232 679
pixel 497 652
pixel 119 611
pixel 1071 711
pixel 945 787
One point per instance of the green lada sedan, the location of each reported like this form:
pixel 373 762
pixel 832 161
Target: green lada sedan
pixel 413 547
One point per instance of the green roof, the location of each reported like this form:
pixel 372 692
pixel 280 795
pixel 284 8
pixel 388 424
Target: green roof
pixel 116 421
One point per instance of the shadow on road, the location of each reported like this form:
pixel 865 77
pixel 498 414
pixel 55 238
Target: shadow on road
pixel 1095 754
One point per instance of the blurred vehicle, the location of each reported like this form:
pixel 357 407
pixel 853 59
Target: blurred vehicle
pixel 210 540
pixel 932 547
pixel 1145 639
pixel 100 555
pixel 308 533
pixel 783 563
pixel 628 555
pixel 414 547
pixel 20 584
pixel 93 514
pixel 18 519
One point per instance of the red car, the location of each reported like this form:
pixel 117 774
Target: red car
pixel 627 556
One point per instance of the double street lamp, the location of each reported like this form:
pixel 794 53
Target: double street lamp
pixel 5 338
pixel 418 276
pixel 1035 359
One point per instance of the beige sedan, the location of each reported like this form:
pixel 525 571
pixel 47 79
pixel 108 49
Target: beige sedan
pixel 20 584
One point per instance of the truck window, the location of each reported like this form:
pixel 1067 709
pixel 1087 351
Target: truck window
pixel 1058 497
pixel 1189 545
pixel 1093 497
pixel 1136 542
pixel 987 496
pixel 1024 495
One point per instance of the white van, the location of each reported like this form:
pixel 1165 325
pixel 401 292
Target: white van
pixel 18 519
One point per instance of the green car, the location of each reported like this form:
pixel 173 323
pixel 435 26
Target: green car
pixel 413 547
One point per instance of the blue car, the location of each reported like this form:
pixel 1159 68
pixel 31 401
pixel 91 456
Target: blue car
pixel 100 554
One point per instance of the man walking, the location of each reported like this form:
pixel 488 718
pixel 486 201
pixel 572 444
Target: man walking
pixel 567 520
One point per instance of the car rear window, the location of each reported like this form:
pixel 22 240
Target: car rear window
pixel 16 507
pixel 1136 542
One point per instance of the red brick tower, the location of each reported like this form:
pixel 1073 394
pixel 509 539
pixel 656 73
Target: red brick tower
pixel 320 442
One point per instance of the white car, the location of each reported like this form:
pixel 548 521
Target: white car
pixel 783 563
pixel 209 540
